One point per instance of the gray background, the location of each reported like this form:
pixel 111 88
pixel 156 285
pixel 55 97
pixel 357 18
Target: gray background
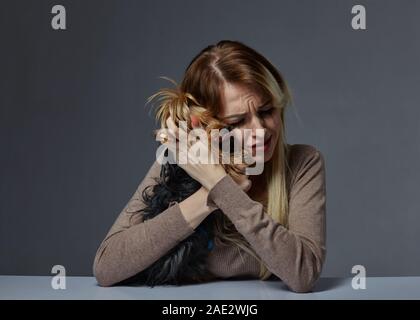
pixel 76 136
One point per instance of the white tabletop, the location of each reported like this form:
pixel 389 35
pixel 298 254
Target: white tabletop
pixel 39 287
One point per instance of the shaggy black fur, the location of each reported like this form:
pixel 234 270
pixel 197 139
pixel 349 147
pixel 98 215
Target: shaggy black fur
pixel 184 263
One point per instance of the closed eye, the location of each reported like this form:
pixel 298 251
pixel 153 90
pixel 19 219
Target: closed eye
pixel 237 123
pixel 267 111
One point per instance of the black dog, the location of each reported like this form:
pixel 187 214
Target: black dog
pixel 186 262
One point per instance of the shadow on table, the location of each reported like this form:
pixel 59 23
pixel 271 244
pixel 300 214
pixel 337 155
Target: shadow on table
pixel 323 284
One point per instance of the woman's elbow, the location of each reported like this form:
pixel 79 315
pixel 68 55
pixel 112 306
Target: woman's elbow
pixel 305 277
pixel 101 278
pixel 302 285
pixel 102 273
pixel 103 281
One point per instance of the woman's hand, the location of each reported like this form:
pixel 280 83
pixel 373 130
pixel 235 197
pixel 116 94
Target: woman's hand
pixel 205 172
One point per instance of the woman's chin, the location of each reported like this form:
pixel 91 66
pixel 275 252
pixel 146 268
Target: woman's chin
pixel 266 159
pixel 263 158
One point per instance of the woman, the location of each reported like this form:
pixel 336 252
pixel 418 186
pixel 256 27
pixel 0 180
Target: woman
pixel 277 217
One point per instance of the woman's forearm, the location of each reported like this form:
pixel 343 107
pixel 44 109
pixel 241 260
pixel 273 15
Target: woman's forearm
pixel 132 247
pixel 195 208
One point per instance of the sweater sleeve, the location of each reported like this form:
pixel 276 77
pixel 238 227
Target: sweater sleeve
pixel 132 244
pixel 295 254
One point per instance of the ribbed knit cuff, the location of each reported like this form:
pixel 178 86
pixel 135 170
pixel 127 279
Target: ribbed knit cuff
pixel 230 198
pixel 173 224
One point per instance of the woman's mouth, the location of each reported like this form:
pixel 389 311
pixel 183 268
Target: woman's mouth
pixel 265 146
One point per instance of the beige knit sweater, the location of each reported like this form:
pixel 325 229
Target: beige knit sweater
pixel 295 255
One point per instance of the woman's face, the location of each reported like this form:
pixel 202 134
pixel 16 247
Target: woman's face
pixel 245 109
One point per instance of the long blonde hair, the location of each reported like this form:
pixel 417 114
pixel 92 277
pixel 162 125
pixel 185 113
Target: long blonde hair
pixel 200 93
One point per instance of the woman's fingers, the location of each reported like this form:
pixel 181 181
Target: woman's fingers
pixel 167 138
pixel 183 147
pixel 173 135
pixel 205 173
pixel 172 126
pixel 180 131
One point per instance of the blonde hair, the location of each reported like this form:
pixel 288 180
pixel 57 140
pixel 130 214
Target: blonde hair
pixel 200 94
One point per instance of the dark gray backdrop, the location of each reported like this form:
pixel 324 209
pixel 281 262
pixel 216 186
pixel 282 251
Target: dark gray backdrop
pixel 76 135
